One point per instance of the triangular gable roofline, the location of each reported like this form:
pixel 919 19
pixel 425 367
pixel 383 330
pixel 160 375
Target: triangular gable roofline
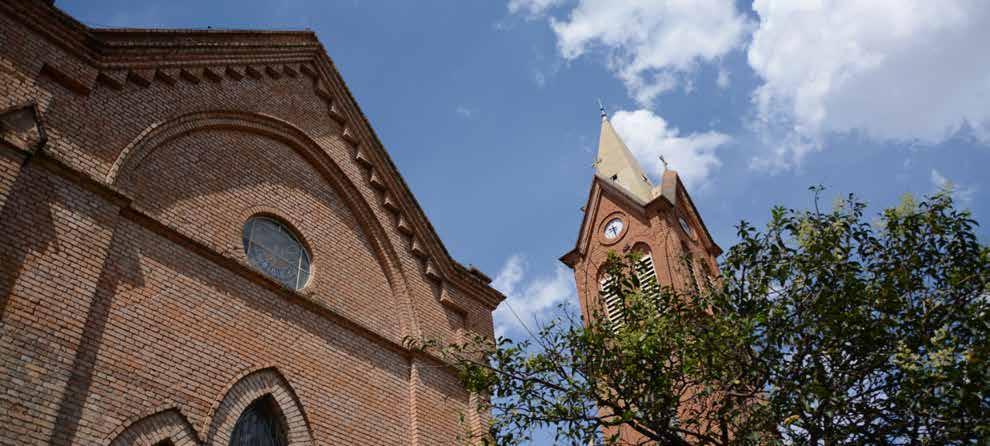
pixel 452 269
pixel 599 185
pixel 116 55
pixel 670 184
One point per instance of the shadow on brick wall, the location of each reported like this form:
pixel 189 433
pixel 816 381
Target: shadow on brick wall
pixel 27 228
pixel 121 266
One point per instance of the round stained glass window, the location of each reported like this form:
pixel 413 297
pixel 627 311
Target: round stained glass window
pixel 272 248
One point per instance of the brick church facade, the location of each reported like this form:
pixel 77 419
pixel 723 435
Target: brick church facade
pixel 200 230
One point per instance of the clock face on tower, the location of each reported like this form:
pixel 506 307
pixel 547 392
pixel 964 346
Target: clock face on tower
pixel 613 228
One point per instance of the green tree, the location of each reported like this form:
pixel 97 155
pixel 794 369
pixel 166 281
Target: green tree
pixel 824 329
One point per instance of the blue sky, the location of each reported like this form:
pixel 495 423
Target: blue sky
pixel 489 107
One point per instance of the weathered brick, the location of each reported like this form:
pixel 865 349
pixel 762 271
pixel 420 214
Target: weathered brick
pixel 128 310
pixel 648 228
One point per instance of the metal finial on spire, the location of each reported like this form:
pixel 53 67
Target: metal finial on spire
pixel 664 161
pixel 602 108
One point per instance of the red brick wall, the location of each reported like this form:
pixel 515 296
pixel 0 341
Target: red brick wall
pixel 229 176
pixel 54 243
pixel 654 226
pixel 127 307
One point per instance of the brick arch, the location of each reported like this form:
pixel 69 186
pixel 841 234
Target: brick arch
pixel 168 426
pixel 246 390
pixel 642 248
pixel 158 134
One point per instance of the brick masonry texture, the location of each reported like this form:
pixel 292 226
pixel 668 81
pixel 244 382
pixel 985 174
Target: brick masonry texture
pixel 128 311
pixel 653 229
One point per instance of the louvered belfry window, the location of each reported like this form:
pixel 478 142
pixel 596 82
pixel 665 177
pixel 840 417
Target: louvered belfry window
pixel 648 277
pixel 612 302
pixel 694 282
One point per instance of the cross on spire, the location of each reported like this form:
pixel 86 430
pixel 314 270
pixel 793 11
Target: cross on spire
pixel 601 107
pixel 664 161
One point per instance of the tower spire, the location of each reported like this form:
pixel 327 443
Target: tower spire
pixel 617 164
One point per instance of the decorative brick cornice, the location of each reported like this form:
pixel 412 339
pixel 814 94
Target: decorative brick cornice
pixel 404 203
pixel 113 57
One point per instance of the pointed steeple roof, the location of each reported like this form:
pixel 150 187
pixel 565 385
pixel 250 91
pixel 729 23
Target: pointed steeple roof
pixel 617 164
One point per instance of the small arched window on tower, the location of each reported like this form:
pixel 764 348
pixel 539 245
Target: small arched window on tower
pixel 261 424
pixel 272 247
pixel 706 271
pixel 685 226
pixel 689 263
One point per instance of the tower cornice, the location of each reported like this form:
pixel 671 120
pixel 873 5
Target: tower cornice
pixel 667 195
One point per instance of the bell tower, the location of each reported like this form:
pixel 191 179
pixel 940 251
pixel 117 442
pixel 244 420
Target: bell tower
pixel 626 211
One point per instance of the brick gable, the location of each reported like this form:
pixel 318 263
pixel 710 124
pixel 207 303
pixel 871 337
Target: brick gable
pixel 128 307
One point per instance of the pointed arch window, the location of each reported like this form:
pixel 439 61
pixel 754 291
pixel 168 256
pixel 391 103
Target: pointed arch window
pixel 272 247
pixel 611 301
pixel 706 270
pixel 699 277
pixel 261 424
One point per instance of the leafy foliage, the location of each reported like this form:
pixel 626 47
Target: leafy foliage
pixel 823 329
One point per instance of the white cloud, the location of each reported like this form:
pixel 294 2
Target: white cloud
pixel 464 111
pixel 532 299
pixel 539 78
pixel 963 195
pixel 532 8
pixel 543 72
pixel 647 135
pixel 723 79
pixel 653 45
pixel 903 70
